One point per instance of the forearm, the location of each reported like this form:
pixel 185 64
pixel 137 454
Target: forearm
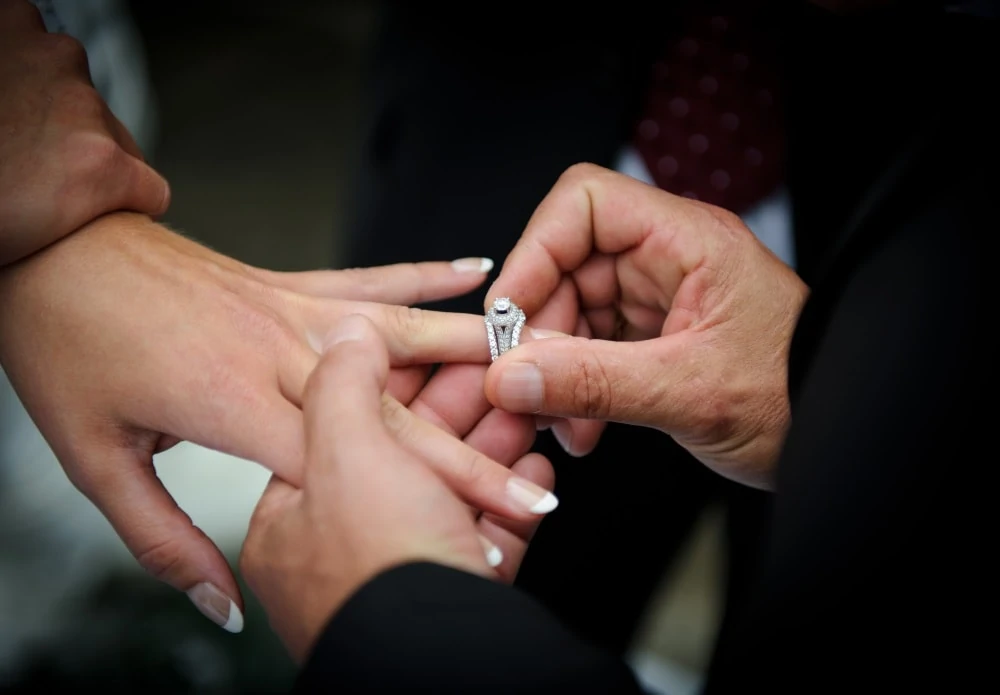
pixel 427 628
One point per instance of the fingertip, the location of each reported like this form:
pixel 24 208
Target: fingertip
pixel 353 354
pixel 151 192
pixel 537 468
pixel 475 265
pixel 343 399
pixel 578 438
pixel 516 386
pixel 351 328
pixel 234 624
pixel 494 556
pixel 167 196
pixel 217 605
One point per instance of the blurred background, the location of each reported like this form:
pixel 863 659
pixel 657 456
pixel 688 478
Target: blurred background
pixel 251 110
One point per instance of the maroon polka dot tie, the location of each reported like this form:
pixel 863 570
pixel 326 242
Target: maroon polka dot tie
pixel 712 128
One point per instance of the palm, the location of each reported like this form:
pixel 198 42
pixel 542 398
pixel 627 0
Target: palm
pixel 621 298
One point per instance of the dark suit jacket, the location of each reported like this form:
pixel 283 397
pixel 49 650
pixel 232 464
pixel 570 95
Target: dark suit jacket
pixel 872 577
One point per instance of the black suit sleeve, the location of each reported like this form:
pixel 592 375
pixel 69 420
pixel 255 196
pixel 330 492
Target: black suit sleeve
pixel 873 578
pixel 424 628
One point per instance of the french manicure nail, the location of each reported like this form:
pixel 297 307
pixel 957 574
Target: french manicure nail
pixel 563 433
pixel 521 387
pixel 472 265
pixel 542 423
pixel 493 555
pixel 543 333
pixel 347 329
pixel 534 498
pixel 216 606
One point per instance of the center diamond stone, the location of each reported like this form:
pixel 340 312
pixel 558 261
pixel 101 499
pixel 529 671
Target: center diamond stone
pixel 502 305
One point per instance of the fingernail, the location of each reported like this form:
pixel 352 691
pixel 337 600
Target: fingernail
pixel 543 333
pixel 216 606
pixel 563 433
pixel 535 499
pixel 521 387
pixel 543 423
pixel 348 328
pixel 472 265
pixel 493 555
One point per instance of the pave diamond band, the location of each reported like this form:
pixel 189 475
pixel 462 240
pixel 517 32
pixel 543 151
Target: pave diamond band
pixel 504 323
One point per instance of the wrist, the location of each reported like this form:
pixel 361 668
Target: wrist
pixel 18 250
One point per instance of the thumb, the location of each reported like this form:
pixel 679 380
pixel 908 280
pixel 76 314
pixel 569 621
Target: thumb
pixel 130 185
pixel 581 378
pixel 343 399
pixel 142 189
pixel 160 535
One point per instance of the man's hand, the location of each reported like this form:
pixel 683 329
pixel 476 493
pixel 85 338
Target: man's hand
pixel 125 338
pixel 64 158
pixel 708 312
pixel 370 499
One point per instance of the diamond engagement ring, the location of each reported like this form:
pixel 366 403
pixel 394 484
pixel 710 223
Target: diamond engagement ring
pixel 504 322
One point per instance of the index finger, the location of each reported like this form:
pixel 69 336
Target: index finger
pixel 590 209
pixel 400 283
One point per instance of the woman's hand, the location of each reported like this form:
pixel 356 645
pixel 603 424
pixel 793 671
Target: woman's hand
pixel 692 317
pixel 370 498
pixel 125 338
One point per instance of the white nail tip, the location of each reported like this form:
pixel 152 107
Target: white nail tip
pixel 546 504
pixel 215 605
pixel 235 622
pixel 494 557
pixel 472 265
pixel 563 437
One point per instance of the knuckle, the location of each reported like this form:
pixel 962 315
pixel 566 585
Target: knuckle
pixel 592 393
pixel 474 469
pixel 249 552
pixel 83 478
pixel 259 518
pixel 249 565
pixel 728 229
pixel 161 557
pixel 714 415
pixel 398 419
pixel 405 322
pixel 361 280
pixel 581 172
pixel 245 561
pixel 410 320
pixel 86 471
pixel 66 49
pixel 234 393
